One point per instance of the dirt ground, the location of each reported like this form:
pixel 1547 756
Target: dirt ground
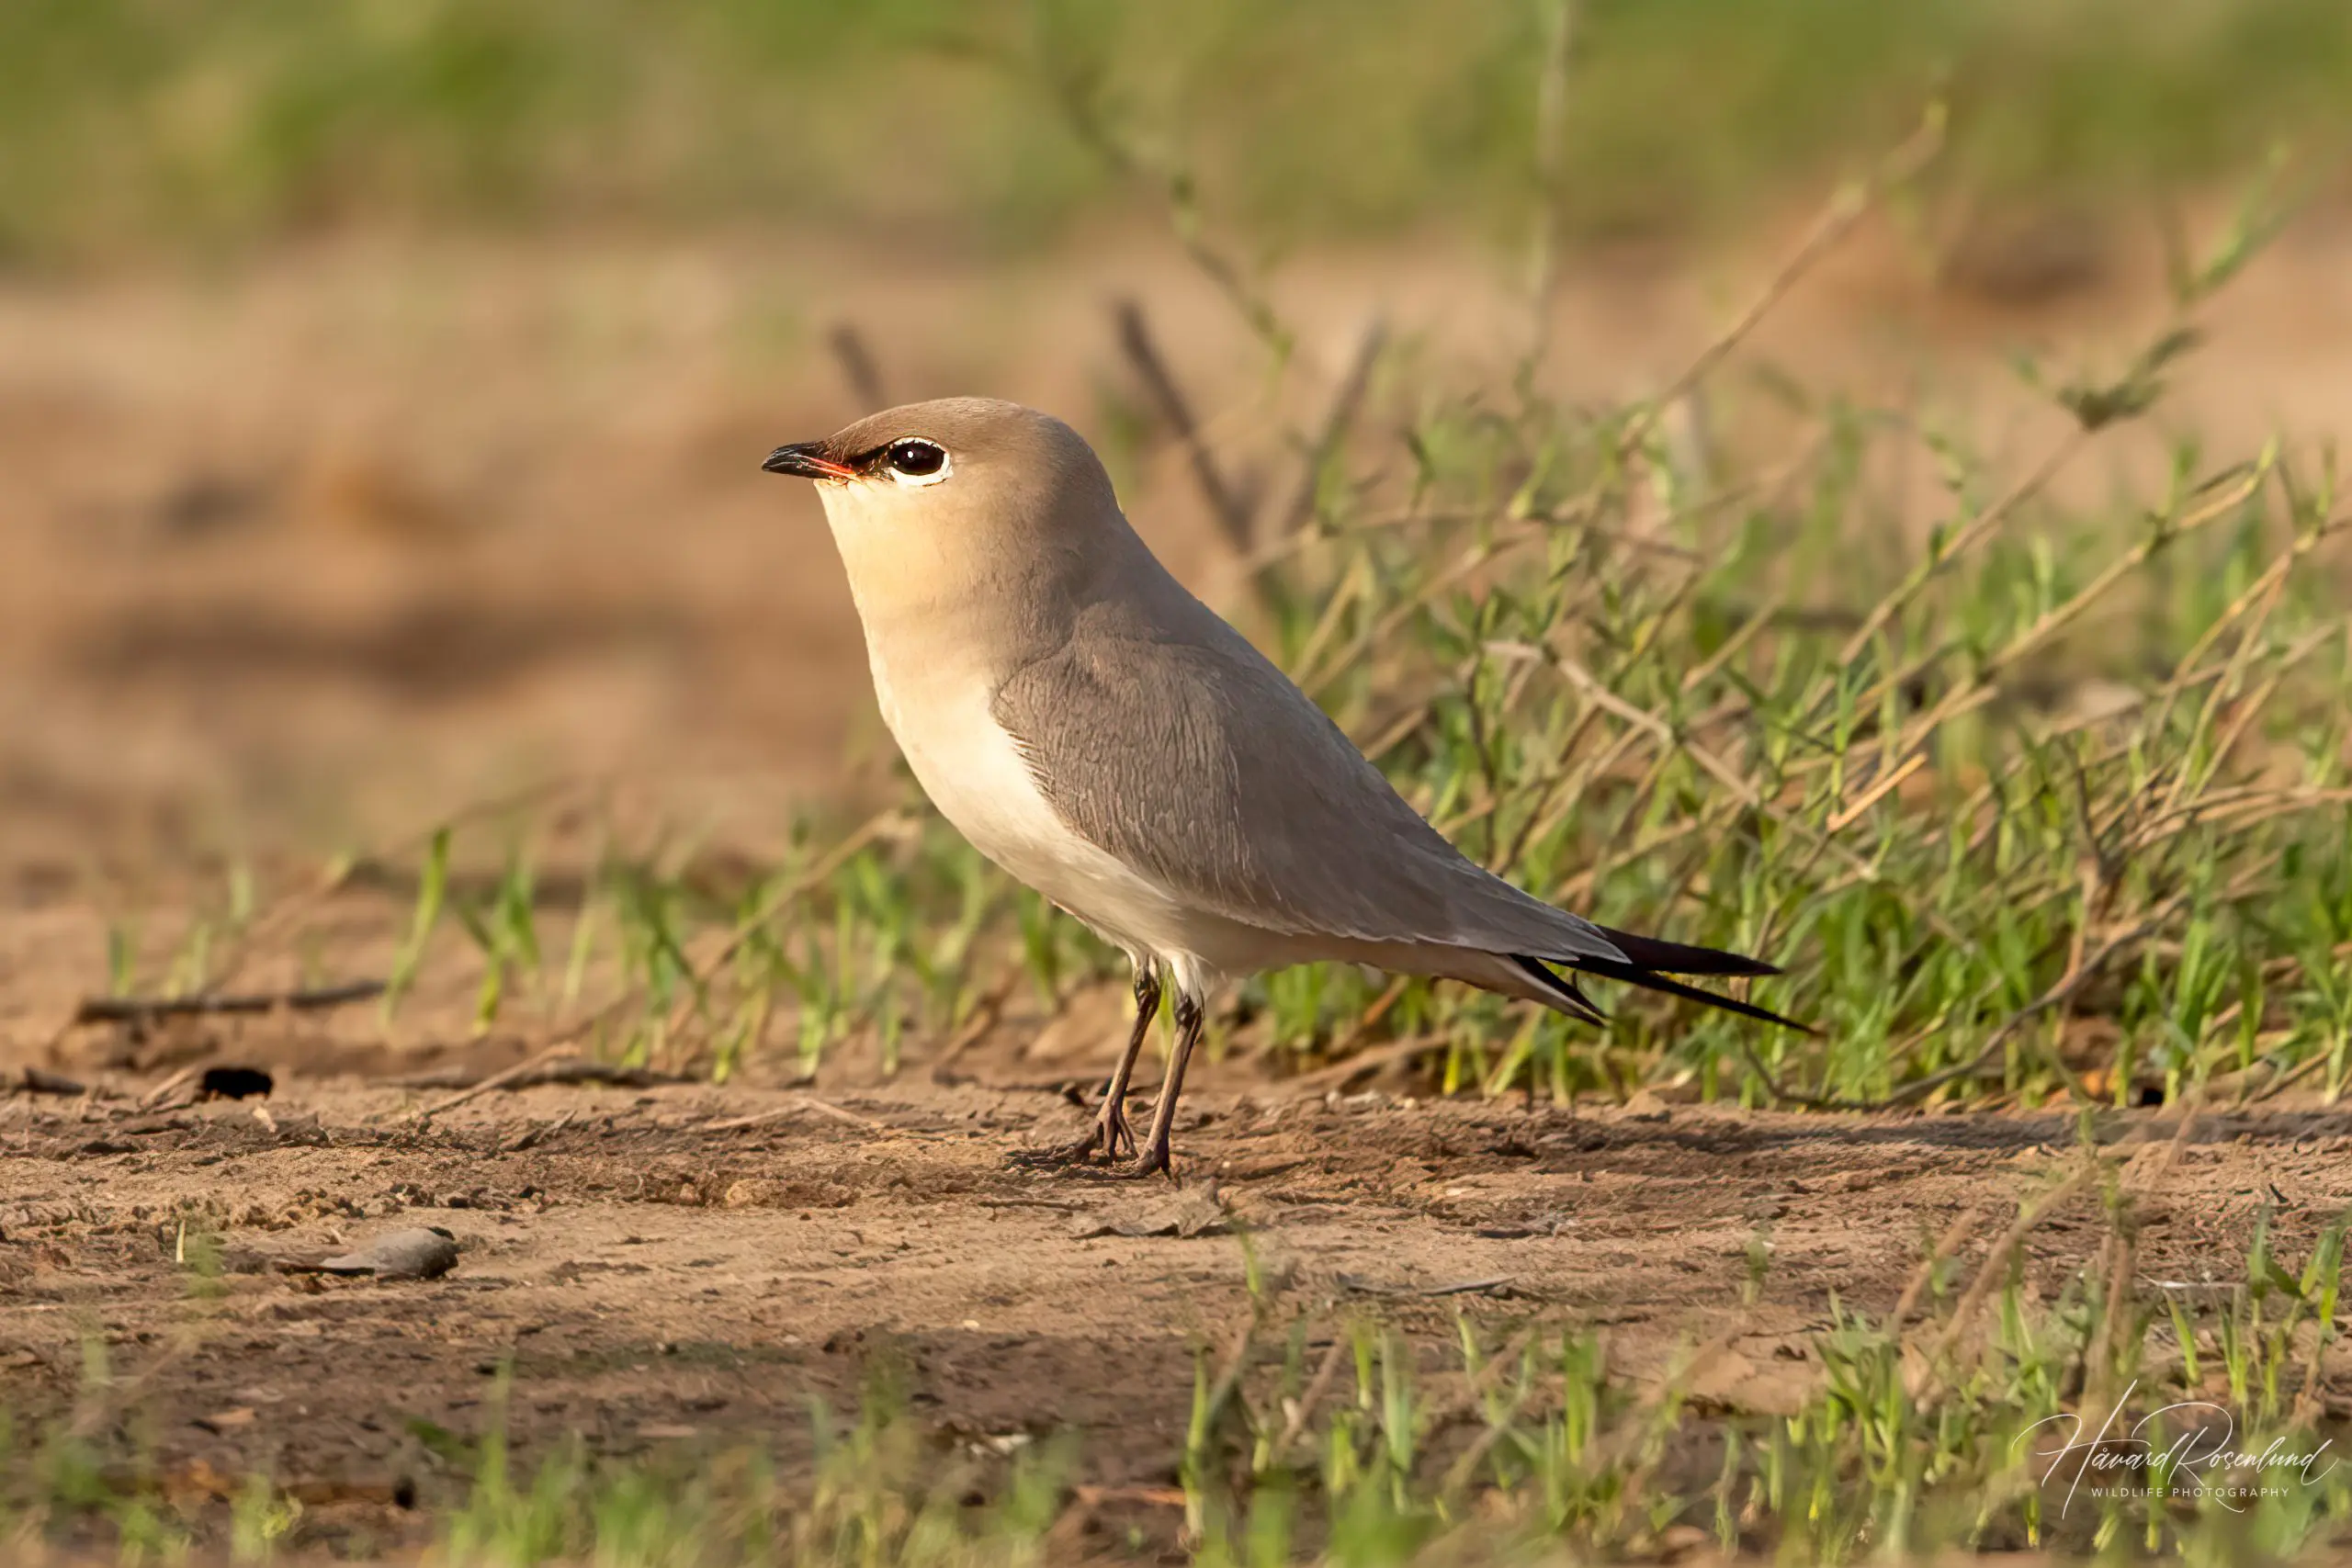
pixel 656 1278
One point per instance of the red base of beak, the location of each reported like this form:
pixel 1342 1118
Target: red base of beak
pixel 806 460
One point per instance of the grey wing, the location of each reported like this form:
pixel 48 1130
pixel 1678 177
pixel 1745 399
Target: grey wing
pixel 1199 763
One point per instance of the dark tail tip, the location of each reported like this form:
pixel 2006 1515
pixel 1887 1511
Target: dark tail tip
pixel 1679 958
pixel 1650 980
pixel 1561 991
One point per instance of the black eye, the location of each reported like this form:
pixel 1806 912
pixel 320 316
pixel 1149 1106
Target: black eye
pixel 916 459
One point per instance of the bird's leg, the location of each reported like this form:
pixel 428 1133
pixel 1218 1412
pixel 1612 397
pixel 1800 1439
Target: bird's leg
pixel 1111 1124
pixel 1110 1129
pixel 1189 1017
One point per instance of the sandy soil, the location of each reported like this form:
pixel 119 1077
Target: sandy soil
pixel 655 1277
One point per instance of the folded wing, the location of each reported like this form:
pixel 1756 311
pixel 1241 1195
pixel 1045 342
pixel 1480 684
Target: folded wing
pixel 1184 752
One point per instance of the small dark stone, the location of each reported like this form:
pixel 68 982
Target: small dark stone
pixel 234 1083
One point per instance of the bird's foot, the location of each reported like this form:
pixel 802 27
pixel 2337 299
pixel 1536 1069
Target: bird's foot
pixel 1117 1137
pixel 1154 1161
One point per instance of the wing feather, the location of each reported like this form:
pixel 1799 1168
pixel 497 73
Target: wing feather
pixel 1184 752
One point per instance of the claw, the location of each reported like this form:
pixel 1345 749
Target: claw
pixel 1110 1136
pixel 1116 1137
pixel 1154 1162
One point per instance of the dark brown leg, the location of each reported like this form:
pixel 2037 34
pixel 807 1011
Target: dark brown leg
pixel 1189 1017
pixel 1110 1129
pixel 1110 1125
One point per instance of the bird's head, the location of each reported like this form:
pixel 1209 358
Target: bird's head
pixel 977 468
pixel 965 507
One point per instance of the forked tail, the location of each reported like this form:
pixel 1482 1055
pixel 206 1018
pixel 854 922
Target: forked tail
pixel 1651 963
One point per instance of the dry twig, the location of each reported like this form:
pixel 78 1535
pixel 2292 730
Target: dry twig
pixel 801 1103
pixel 557 1064
pixel 859 370
pixel 138 1010
pixel 1231 509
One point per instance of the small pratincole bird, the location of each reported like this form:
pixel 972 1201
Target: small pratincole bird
pixel 1106 738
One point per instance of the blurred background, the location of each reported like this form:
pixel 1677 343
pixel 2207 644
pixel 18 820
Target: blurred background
pixel 383 383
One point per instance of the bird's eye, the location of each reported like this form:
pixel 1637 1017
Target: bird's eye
pixel 917 462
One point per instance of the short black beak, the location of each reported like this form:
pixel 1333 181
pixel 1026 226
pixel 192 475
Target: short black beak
pixel 806 460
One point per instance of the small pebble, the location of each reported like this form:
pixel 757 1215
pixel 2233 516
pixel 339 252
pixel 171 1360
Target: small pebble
pixel 418 1253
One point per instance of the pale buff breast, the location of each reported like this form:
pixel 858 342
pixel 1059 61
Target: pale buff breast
pixel 937 708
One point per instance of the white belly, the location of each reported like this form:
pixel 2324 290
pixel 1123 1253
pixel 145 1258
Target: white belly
pixel 977 778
